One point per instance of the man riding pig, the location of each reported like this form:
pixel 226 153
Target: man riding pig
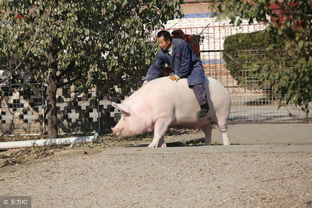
pixel 178 54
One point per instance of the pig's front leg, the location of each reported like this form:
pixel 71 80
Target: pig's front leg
pixel 161 126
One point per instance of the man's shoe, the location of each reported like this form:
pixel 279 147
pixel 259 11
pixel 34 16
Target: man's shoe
pixel 203 111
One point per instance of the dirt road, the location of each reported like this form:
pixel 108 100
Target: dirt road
pixel 270 166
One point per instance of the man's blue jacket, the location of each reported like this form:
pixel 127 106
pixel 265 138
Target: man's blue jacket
pixel 184 63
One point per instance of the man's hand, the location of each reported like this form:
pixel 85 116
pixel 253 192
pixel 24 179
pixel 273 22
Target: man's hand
pixel 174 78
pixel 144 83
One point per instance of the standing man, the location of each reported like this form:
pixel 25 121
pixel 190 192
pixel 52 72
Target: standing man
pixel 185 64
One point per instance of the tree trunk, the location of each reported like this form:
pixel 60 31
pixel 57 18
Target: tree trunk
pixel 51 105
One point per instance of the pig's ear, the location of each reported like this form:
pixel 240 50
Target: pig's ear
pixel 122 107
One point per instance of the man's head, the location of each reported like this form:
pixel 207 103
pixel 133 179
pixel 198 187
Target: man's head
pixel 164 39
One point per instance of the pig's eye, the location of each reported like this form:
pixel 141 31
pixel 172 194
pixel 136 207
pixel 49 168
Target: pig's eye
pixel 126 114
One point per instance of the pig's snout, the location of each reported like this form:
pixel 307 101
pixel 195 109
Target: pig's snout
pixel 116 131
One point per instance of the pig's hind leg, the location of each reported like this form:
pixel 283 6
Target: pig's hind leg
pixel 222 124
pixel 160 127
pixel 207 130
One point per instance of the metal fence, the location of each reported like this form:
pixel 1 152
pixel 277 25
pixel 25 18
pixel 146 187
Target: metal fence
pixel 22 106
pixel 248 104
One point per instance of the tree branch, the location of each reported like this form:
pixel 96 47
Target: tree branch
pixel 60 85
pixel 36 35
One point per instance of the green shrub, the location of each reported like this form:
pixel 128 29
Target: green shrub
pixel 242 50
pixel 287 62
pixel 248 56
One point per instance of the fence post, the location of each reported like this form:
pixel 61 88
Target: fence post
pixel 99 116
pixel 43 107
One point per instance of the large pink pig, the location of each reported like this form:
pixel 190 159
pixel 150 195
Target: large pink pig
pixel 162 103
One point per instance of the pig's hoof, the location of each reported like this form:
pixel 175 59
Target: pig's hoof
pixel 152 145
pixel 163 145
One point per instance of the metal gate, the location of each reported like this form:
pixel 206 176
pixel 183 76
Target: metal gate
pixel 248 105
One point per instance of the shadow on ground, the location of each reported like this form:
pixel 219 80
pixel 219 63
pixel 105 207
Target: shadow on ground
pixel 188 143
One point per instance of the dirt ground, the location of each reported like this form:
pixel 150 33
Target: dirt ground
pixel 269 165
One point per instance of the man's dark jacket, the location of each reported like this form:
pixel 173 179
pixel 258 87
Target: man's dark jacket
pixel 184 63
